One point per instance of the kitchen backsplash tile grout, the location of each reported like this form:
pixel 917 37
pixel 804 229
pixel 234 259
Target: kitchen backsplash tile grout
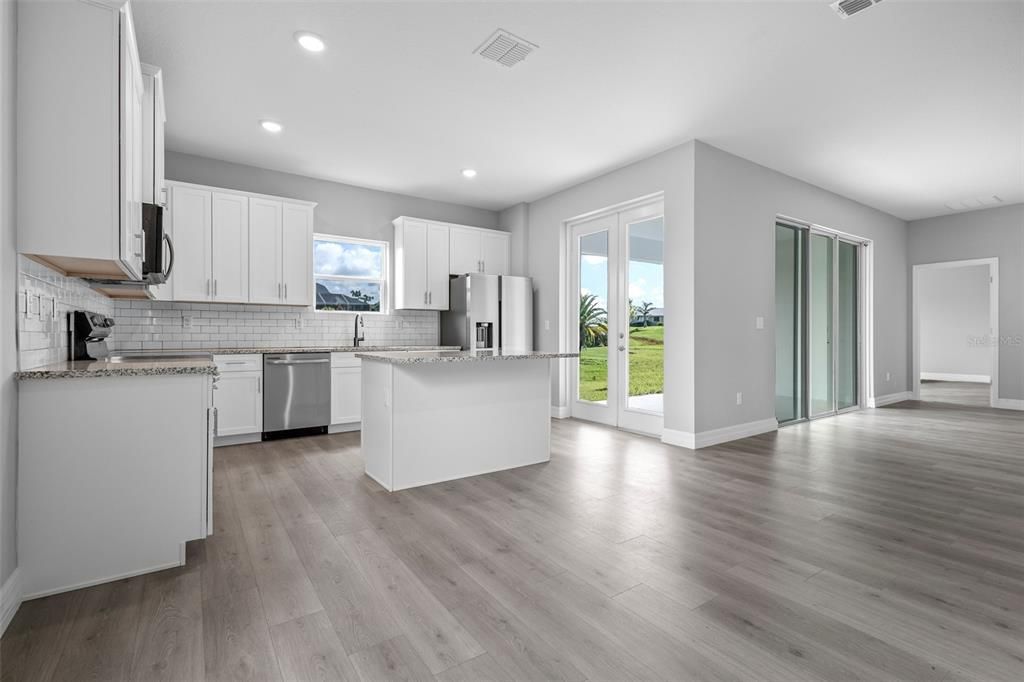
pixel 164 325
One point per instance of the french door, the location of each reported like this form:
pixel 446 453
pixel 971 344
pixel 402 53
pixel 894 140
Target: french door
pixel 617 276
pixel 818 321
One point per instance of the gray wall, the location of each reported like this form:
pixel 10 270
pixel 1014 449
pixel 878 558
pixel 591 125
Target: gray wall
pixel 8 285
pixel 991 233
pixel 953 314
pixel 736 204
pixel 341 209
pixel 671 172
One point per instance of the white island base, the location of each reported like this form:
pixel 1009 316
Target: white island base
pixel 427 422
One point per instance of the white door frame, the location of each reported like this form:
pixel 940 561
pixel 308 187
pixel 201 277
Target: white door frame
pixel 993 319
pixel 646 423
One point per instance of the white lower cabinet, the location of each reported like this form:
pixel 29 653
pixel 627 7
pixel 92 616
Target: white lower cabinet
pixel 239 396
pixel 346 389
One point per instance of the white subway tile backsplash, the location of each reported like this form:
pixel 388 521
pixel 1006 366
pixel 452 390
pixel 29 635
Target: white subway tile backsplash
pixel 160 325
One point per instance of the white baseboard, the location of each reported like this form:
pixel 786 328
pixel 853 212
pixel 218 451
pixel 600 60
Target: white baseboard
pixel 560 411
pixel 10 599
pixel 241 439
pixel 704 439
pixel 882 400
pixel 946 376
pixel 344 428
pixel 1009 404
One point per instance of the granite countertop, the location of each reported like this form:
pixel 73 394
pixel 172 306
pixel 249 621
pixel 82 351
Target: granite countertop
pixel 424 357
pixel 316 349
pixel 80 369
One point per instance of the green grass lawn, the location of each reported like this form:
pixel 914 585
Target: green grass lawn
pixel 646 365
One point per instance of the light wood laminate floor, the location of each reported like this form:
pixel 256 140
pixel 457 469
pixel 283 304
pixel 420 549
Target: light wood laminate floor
pixel 884 544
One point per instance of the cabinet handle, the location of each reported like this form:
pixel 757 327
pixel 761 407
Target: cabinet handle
pixel 286 291
pixel 259 384
pixel 207 286
pixel 215 287
pixel 424 298
pixel 430 297
pixel 279 290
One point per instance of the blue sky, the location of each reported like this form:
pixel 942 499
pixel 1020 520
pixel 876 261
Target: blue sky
pixel 646 281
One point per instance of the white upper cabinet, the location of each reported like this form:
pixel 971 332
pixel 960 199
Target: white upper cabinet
pixel 297 254
pixel 421 265
pixel 265 219
pixel 230 272
pixel 154 120
pixel 494 252
pixel 234 247
pixel 80 99
pixel 465 250
pixel 427 252
pixel 189 219
pixel 477 250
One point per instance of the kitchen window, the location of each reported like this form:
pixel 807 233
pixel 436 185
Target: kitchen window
pixel 349 274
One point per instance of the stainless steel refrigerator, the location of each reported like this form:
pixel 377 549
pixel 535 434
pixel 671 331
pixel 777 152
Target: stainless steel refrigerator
pixel 489 312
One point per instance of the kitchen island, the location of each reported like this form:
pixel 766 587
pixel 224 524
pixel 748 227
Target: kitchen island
pixel 435 416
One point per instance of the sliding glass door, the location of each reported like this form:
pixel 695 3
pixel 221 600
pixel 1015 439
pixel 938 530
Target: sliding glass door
pixel 817 331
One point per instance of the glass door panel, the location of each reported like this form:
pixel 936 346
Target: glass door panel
pixel 847 333
pixel 790 243
pixel 819 338
pixel 645 341
pixel 593 324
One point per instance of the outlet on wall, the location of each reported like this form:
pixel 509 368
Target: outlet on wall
pixel 739 398
pixel 759 322
pixel 300 322
pixel 888 376
pixel 547 325
pixel 186 322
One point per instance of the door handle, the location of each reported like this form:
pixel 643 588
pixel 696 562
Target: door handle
pixel 297 362
pixel 170 253
pixel 622 348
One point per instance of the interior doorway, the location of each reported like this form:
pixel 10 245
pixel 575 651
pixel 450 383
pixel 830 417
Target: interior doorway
pixel 617 285
pixel 956 332
pixel 819 322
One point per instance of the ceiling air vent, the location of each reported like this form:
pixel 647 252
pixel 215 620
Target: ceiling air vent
pixel 973 204
pixel 847 8
pixel 505 48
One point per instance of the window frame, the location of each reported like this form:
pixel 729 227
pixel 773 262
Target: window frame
pixel 383 280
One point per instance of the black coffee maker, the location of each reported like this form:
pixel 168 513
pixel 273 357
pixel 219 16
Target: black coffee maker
pixel 87 335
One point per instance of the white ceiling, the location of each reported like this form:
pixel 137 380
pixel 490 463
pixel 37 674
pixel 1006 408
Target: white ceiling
pixel 905 107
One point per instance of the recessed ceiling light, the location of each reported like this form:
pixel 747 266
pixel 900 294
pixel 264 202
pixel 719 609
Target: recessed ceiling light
pixel 468 173
pixel 271 126
pixel 310 41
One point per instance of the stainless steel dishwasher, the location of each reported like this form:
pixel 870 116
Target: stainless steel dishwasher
pixel 297 393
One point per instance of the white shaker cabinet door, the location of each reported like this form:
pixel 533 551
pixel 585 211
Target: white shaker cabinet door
pixel 346 394
pixel 411 265
pixel 239 403
pixel 464 251
pixel 265 284
pixel 297 254
pixel 190 216
pixel 437 267
pixel 230 248
pixel 494 248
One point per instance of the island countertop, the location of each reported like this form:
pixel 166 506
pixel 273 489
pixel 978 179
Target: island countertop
pixel 425 357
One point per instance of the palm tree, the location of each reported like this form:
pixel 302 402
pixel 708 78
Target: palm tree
pixel 645 310
pixel 593 321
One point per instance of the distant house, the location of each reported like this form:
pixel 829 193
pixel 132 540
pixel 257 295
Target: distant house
pixel 655 317
pixel 327 300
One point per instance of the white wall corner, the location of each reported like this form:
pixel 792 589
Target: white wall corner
pixel 10 599
pixel 560 411
pixel 883 400
pixel 1010 404
pixel 683 439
